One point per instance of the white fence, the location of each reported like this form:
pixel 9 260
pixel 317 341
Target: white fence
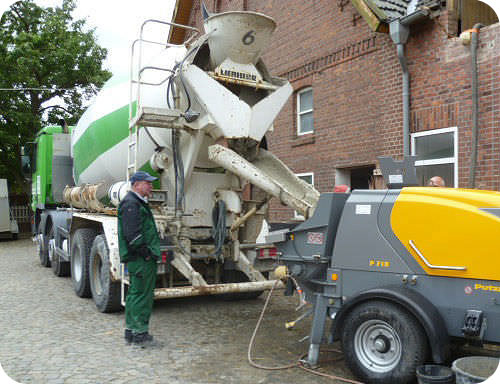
pixel 21 213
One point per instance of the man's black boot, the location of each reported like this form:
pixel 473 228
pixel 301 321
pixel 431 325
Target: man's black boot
pixel 128 336
pixel 143 337
pixel 145 340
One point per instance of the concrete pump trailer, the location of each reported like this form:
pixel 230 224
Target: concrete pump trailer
pixel 401 273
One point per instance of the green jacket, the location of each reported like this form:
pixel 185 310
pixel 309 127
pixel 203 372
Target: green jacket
pixel 137 233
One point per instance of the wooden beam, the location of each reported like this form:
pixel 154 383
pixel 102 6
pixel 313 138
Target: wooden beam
pixel 373 21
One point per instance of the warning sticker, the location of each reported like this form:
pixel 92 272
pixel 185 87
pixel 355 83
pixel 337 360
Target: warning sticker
pixel 316 238
pixel 363 209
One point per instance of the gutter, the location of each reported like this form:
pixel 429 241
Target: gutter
pixel 475 103
pixel 399 31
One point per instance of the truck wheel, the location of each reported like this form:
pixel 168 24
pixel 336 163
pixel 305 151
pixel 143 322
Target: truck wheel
pixel 59 267
pixel 105 292
pixel 235 276
pixel 383 343
pixel 42 248
pixel 81 242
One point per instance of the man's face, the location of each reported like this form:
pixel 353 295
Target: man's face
pixel 143 188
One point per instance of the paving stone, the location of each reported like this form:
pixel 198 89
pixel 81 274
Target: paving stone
pixel 55 337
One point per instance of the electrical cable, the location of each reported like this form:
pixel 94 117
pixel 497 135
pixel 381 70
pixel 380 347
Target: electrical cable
pixel 152 138
pixel 252 339
pixel 296 364
pixel 182 78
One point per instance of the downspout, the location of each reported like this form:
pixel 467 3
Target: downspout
pixel 399 30
pixel 475 103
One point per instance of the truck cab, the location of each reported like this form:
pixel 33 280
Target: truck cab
pixel 47 162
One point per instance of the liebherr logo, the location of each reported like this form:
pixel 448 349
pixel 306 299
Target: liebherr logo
pixel 238 75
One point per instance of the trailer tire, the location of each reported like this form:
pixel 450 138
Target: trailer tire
pixel 59 267
pixel 105 291
pixel 383 343
pixel 43 250
pixel 81 242
pixel 236 276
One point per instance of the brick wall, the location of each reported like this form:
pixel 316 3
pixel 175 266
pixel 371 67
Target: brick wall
pixel 357 88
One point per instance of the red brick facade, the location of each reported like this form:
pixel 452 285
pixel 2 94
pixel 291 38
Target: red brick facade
pixel 357 86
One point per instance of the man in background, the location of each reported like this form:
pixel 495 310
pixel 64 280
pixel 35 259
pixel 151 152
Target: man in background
pixel 436 181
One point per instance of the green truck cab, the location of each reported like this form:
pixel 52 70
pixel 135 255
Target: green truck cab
pixel 48 162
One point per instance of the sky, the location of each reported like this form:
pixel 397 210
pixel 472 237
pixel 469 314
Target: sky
pixel 117 24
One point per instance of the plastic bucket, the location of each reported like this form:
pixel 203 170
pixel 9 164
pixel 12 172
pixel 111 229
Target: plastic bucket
pixel 474 369
pixel 434 374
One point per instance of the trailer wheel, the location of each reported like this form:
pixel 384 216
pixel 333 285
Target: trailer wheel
pixel 42 248
pixel 105 292
pixel 59 267
pixel 81 242
pixel 383 343
pixel 236 276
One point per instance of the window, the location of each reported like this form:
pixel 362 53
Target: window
pixel 305 112
pixel 436 153
pixel 308 178
pixel 471 12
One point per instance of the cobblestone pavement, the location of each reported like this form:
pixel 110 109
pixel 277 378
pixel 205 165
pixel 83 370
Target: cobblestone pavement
pixel 49 335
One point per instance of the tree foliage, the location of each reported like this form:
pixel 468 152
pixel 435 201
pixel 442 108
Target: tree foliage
pixel 46 59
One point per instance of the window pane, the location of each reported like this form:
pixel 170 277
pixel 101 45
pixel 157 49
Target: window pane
pixel 434 146
pixel 307 178
pixel 425 172
pixel 306 122
pixel 306 101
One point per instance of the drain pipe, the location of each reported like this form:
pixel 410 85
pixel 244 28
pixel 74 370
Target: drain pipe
pixel 475 103
pixel 399 30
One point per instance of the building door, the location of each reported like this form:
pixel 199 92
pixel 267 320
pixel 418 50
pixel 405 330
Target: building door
pixel 361 177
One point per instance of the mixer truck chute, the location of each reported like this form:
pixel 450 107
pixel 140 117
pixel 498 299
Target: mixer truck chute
pixel 195 116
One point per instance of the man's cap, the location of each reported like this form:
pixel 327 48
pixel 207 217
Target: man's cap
pixel 141 176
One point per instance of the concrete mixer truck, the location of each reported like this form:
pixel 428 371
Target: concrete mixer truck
pixel 195 116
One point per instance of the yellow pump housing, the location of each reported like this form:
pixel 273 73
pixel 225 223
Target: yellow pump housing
pixel 457 231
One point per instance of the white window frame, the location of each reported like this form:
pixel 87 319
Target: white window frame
pixel 297 215
pixel 299 112
pixel 445 160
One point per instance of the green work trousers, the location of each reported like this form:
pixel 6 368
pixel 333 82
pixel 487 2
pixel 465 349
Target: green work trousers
pixel 140 295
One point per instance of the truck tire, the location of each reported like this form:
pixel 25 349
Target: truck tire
pixel 383 343
pixel 81 242
pixel 42 249
pixel 236 276
pixel 105 292
pixel 59 267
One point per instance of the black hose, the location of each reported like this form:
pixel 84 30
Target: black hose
pixel 152 138
pixel 219 226
pixel 174 151
pixel 179 171
pixel 182 78
pixel 180 166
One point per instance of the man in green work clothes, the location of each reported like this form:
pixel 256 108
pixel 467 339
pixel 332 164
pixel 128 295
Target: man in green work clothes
pixel 140 248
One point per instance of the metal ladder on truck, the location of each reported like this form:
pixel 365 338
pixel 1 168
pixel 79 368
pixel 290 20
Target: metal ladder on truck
pixel 142 116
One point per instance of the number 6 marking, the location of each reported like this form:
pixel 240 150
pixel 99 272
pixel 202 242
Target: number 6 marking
pixel 249 38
